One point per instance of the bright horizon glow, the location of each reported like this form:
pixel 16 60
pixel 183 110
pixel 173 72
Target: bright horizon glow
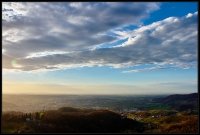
pixel 48 89
pixel 128 49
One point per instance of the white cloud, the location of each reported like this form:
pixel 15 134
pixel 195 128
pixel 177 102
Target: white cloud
pixel 45 53
pixel 3 51
pixel 144 69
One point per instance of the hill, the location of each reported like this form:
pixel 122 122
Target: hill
pixel 180 102
pixel 69 120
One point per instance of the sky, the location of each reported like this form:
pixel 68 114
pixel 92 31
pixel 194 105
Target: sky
pixel 122 48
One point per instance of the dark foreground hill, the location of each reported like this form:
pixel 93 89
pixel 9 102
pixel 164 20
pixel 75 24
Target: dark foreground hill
pixel 73 120
pixel 180 102
pixel 69 120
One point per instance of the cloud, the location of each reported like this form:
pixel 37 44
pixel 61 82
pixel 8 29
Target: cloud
pixel 34 27
pixel 146 69
pixel 171 42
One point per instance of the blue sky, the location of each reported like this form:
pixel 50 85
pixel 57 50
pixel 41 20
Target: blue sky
pixel 138 48
pixel 168 9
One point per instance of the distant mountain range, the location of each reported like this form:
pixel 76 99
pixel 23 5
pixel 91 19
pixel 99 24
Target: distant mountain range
pixel 180 102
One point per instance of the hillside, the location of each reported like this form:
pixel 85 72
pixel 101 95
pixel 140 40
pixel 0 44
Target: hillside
pixel 69 120
pixel 166 121
pixel 180 102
